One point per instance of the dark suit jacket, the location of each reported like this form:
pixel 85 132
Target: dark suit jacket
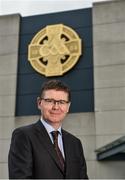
pixel 32 155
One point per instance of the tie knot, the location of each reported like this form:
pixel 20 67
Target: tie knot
pixel 55 134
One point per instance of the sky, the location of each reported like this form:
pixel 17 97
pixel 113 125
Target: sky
pixel 34 7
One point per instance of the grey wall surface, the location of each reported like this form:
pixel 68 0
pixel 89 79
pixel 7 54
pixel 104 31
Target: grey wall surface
pixel 9 35
pixel 109 80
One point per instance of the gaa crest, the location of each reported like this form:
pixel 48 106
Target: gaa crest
pixel 54 50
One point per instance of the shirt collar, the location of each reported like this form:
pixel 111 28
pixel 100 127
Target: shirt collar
pixel 49 128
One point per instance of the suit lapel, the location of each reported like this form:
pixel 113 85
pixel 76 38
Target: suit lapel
pixel 46 141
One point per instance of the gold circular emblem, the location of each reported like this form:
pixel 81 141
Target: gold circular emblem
pixel 54 50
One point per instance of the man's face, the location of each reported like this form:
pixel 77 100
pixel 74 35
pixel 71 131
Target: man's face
pixel 54 106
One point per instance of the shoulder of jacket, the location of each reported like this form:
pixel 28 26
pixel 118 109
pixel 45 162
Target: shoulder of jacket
pixel 24 129
pixel 70 135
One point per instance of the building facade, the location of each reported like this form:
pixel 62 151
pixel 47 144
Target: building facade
pixel 105 122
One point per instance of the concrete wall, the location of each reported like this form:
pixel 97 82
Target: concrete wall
pixel 109 80
pixel 9 38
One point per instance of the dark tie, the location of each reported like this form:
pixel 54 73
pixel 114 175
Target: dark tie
pixel 58 152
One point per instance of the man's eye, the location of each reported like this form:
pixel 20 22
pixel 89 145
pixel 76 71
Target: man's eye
pixel 49 100
pixel 62 102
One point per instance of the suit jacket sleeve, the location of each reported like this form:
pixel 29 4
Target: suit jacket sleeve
pixel 20 156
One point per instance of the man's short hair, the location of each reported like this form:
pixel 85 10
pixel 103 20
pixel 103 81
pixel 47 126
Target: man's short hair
pixel 57 85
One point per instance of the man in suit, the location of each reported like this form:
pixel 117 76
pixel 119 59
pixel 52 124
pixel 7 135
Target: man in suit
pixel 36 153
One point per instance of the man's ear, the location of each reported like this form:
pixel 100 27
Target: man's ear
pixel 39 103
pixel 68 107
